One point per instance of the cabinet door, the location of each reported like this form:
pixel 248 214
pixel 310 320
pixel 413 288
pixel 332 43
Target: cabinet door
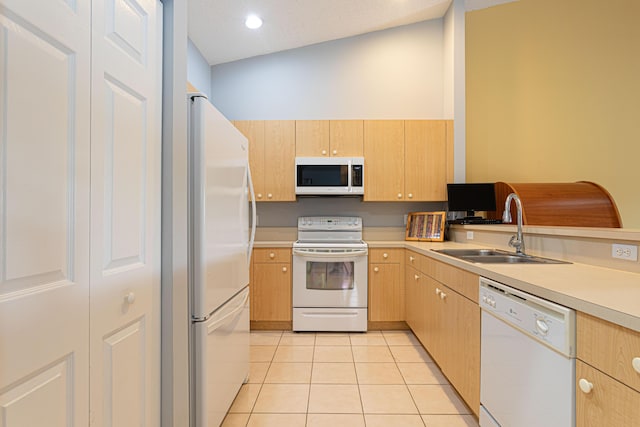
pixel 609 403
pixel 415 302
pixel 383 160
pixel 279 155
pixel 271 288
pixel 312 138
pixel 435 320
pixel 425 160
pixel 386 293
pixel 346 138
pixel 253 130
pixel 461 345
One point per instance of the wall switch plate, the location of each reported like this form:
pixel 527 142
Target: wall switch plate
pixel 626 252
pixel 469 235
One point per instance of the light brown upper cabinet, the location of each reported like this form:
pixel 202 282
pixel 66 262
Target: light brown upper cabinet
pixel 329 138
pixel 271 158
pixel 425 160
pixel 383 160
pixel 407 160
pixel 346 137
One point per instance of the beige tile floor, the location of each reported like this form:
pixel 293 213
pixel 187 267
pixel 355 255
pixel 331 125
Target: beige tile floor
pixel 373 379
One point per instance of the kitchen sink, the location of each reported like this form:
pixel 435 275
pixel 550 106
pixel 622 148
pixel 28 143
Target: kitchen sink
pixel 496 256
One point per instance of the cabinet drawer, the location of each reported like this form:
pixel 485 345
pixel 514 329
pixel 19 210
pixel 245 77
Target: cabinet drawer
pixel 391 256
pixel 272 255
pixel 461 281
pixel 609 347
pixel 413 259
pixel 608 404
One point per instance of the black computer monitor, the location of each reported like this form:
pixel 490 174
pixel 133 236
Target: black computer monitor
pixel 471 197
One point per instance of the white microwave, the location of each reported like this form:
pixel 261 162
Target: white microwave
pixel 329 176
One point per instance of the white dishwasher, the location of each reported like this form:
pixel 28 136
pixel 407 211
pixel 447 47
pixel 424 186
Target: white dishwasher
pixel 527 365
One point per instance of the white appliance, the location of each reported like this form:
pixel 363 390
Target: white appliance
pixel 220 247
pixel 330 275
pixel 527 365
pixel 329 176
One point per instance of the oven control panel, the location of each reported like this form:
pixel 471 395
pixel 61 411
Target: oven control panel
pixel 329 223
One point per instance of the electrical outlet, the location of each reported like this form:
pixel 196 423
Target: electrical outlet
pixel 626 252
pixel 469 235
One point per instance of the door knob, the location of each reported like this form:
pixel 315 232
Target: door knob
pixel 259 195
pixel 130 298
pixel 385 255
pixel 269 196
pixel 416 277
pixel 324 152
pixel 636 364
pixel 335 152
pixel 272 255
pixel 410 195
pixel 399 195
pixel 376 269
pixel 284 269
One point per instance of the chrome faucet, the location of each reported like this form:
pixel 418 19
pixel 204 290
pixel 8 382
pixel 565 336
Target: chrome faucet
pixel 516 241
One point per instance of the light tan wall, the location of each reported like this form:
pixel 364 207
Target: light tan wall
pixel 553 94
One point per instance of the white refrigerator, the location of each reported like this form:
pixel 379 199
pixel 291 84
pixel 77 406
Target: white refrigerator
pixel 220 244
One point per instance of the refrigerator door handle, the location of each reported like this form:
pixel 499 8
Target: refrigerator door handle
pixel 221 322
pixel 254 217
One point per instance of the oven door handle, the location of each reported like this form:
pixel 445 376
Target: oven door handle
pixel 333 255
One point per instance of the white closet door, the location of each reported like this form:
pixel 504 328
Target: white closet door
pixel 125 213
pixel 44 212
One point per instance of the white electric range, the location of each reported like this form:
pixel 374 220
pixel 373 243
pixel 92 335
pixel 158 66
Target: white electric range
pixel 330 275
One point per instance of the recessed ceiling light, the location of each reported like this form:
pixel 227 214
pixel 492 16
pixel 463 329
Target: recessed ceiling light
pixel 253 22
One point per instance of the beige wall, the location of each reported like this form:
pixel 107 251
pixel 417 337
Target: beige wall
pixel 553 94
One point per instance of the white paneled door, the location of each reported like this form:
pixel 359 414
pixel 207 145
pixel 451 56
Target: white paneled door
pixel 125 213
pixel 44 212
pixel 80 97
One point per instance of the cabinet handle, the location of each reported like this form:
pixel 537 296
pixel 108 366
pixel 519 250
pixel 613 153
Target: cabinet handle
pixel 410 195
pixel 259 195
pixel 411 259
pixel 269 196
pixel 385 255
pixel 416 277
pixel 585 386
pixel 442 295
pixel 335 152
pixel 324 152
pixel 284 269
pixel 272 255
pixel 636 364
pixel 376 269
pixel 130 298
pixel 399 195
pixel 438 291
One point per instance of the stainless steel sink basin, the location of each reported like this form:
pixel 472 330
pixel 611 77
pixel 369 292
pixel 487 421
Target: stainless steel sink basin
pixel 496 256
pixel 472 252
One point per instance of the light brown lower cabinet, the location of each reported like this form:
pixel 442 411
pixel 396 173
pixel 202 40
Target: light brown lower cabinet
pixel 386 285
pixel 446 322
pixel 609 403
pixel 270 288
pixel 608 369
